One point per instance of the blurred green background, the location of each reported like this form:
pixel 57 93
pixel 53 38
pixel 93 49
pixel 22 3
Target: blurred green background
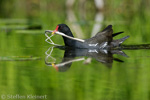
pixel 22 44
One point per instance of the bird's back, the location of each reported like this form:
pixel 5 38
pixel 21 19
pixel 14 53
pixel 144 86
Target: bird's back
pixel 100 37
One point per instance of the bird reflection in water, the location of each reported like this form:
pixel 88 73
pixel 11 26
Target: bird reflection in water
pixel 74 55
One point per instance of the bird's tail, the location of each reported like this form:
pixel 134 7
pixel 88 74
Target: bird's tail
pixel 115 34
pixel 117 42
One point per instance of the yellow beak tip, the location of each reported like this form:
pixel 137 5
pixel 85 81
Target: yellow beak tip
pixel 53 33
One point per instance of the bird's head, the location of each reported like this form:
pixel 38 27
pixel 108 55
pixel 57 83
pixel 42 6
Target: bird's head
pixel 64 29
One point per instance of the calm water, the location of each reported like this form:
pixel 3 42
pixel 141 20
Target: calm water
pixel 113 80
pixel 30 68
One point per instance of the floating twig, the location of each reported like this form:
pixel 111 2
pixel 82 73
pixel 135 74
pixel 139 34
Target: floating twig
pixel 19 58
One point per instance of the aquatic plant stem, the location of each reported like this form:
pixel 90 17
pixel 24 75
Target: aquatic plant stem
pixel 60 33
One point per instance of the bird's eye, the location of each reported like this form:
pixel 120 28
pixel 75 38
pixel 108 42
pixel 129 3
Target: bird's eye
pixel 60 27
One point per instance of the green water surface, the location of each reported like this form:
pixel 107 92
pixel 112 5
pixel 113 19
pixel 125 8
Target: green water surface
pixel 24 74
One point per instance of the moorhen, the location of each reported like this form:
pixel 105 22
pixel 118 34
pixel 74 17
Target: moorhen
pixel 102 40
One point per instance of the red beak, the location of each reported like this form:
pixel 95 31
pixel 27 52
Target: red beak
pixel 55 30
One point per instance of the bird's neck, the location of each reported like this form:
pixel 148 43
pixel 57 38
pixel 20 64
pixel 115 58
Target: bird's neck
pixel 69 42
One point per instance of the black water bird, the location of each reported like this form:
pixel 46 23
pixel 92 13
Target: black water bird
pixel 101 40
